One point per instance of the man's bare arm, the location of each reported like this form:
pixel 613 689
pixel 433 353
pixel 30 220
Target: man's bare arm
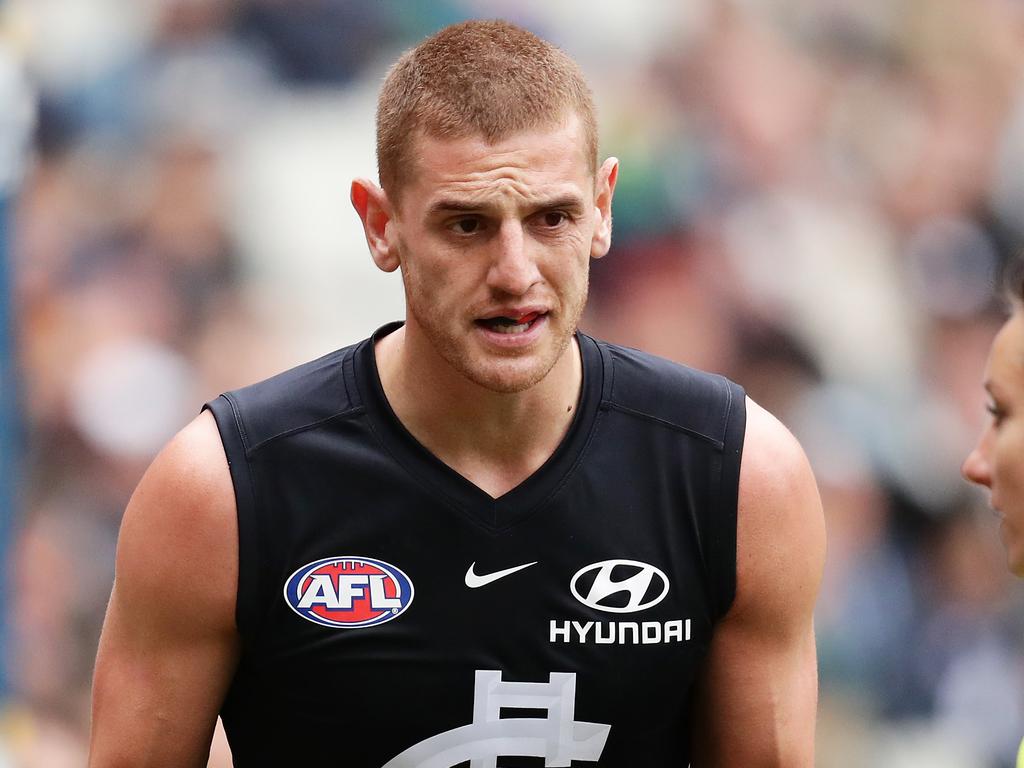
pixel 169 644
pixel 757 696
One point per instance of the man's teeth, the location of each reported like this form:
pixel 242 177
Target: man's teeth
pixel 504 327
pixel 511 325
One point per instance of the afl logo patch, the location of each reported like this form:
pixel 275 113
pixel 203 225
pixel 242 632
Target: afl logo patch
pixel 348 591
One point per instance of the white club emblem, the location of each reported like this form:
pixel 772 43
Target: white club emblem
pixel 558 738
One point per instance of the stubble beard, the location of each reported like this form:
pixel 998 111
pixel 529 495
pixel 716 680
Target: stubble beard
pixel 502 375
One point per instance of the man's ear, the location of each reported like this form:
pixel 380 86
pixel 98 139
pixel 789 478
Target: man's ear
pixel 604 190
pixel 374 209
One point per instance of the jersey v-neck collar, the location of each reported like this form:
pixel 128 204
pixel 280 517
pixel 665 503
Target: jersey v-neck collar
pixel 428 470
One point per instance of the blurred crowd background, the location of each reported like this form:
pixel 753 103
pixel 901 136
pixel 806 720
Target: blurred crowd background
pixel 817 198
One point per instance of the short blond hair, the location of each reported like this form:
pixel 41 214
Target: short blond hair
pixel 478 78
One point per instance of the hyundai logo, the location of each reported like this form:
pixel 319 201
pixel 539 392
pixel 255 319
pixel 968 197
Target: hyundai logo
pixel 619 586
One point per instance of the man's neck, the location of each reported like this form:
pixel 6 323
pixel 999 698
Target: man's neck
pixel 495 440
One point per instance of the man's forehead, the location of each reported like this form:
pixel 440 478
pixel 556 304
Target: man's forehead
pixel 558 150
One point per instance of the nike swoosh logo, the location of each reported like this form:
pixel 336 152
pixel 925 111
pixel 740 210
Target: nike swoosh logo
pixel 473 581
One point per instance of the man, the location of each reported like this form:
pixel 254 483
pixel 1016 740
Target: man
pixel 996 461
pixel 478 537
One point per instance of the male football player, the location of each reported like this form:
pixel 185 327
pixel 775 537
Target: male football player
pixel 479 536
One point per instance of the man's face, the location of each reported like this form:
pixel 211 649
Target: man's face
pixel 495 243
pixel 997 462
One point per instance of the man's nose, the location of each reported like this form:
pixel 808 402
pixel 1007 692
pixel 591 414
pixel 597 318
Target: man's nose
pixel 976 468
pixel 513 268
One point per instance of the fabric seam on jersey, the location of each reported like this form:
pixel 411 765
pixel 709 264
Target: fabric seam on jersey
pixel 728 497
pixel 346 365
pixel 728 406
pixel 663 422
pixel 251 530
pixel 609 364
pixel 458 508
pixel 610 402
pixel 357 410
pixel 714 572
pixel 427 486
pixel 238 421
pixel 568 475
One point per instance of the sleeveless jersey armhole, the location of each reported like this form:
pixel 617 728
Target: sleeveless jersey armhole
pixel 233 437
pixel 722 544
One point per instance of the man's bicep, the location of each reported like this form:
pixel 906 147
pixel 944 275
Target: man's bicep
pixel 169 645
pixel 155 699
pixel 757 695
pixel 756 701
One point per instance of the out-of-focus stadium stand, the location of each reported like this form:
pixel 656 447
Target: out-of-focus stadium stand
pixel 816 198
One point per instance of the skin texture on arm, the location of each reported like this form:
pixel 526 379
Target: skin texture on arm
pixel 169 645
pixel 757 696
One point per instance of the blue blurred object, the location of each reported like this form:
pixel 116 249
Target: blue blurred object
pixel 17 121
pixel 9 432
pixel 316 42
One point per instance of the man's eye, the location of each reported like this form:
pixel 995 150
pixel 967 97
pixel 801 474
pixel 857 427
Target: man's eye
pixel 467 226
pixel 554 218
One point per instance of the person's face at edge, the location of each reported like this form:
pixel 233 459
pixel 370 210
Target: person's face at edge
pixel 997 461
pixel 494 242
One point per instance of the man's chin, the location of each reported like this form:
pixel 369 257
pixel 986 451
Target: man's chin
pixel 507 377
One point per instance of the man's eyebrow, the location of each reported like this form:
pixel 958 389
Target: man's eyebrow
pixel 454 205
pixel 451 205
pixel 571 202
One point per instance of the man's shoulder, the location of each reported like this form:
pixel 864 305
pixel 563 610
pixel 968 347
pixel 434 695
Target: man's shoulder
pixel 298 398
pixel 698 402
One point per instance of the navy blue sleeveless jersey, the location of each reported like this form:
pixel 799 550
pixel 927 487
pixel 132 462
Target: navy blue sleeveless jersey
pixel 394 615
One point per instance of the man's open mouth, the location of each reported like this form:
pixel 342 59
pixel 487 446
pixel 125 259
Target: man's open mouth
pixel 502 324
